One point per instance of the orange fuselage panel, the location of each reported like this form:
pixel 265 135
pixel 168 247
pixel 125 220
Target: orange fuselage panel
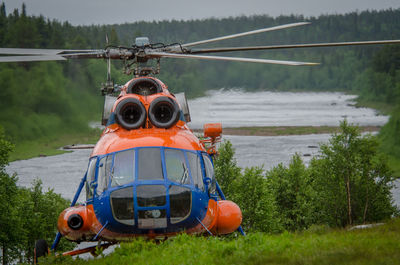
pixel 115 138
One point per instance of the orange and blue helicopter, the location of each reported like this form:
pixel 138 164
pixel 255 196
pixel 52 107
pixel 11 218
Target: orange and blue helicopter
pixel 149 175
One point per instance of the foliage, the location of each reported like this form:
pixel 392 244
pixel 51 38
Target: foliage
pixel 352 180
pixel 293 194
pixel 380 84
pixel 349 183
pixel 27 214
pixel 242 188
pixel 5 149
pixel 226 169
pixel 378 245
pixel 11 225
pixel 258 205
pixel 389 134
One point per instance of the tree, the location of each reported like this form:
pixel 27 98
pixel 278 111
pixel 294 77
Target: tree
pixel 351 179
pixel 226 169
pixel 249 190
pixel 40 211
pixel 26 214
pixel 292 193
pixel 10 222
pixel 257 203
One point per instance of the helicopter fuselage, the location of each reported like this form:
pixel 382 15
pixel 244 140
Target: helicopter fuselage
pixel 148 181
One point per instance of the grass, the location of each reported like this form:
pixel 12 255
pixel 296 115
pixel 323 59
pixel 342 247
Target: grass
pixel 377 245
pixel 394 164
pixel 51 145
pixel 382 107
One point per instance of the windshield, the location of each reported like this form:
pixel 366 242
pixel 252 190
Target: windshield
pixel 90 178
pixel 123 170
pixel 175 163
pixel 144 164
pixel 209 173
pixel 150 166
pixel 103 174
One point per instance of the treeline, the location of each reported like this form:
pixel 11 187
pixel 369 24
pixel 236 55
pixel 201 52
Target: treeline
pixel 45 99
pixel 349 183
pixel 27 214
pixel 339 66
pixel 380 84
pixel 50 98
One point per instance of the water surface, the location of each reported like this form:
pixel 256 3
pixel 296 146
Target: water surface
pixel 235 108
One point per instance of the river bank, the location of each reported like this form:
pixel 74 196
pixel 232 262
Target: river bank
pixel 48 146
pixel 287 130
pixel 53 146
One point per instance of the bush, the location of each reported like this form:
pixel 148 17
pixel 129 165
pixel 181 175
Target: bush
pixel 348 183
pixel 26 214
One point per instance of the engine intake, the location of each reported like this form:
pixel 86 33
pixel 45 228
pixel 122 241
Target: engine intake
pixel 130 113
pixel 144 87
pixel 75 221
pixel 163 112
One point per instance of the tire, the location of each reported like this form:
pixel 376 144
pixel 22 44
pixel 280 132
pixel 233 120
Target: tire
pixel 164 112
pixel 130 113
pixel 41 249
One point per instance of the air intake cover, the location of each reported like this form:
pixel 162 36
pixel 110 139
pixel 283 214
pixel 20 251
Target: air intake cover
pixel 130 113
pixel 163 112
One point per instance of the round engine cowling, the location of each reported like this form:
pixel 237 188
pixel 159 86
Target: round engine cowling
pixel 163 112
pixel 74 223
pixel 130 113
pixel 229 217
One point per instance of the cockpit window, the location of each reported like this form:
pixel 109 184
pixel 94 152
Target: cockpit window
pixel 122 205
pixel 175 163
pixel 149 164
pixel 151 195
pixel 180 199
pixel 103 173
pixel 90 178
pixel 123 170
pixel 209 173
pixel 195 169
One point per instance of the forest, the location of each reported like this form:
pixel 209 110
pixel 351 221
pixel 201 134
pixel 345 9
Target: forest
pixel 45 100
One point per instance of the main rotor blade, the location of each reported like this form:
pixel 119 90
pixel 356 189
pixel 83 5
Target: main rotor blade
pixel 32 58
pixel 221 58
pixel 23 51
pixel 246 33
pixel 28 51
pixel 291 46
pixel 84 55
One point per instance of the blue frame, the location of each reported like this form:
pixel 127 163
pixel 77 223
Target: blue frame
pixel 199 198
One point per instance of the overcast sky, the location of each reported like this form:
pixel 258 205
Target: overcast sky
pixel 89 12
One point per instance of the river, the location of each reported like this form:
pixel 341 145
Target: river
pixel 233 108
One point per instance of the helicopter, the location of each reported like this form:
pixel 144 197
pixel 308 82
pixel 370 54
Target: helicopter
pixel 149 175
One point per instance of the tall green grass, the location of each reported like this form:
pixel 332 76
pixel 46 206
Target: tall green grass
pixel 318 245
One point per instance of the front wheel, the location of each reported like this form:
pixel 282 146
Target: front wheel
pixel 41 250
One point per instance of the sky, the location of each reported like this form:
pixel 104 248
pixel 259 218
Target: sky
pixel 88 12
